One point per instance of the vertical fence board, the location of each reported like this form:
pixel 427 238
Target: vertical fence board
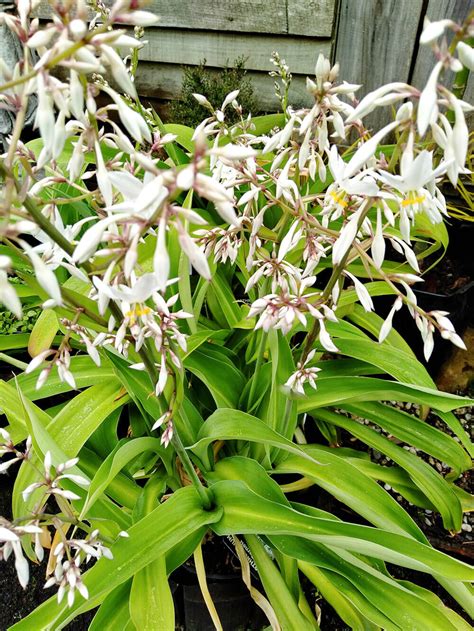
pixel 375 43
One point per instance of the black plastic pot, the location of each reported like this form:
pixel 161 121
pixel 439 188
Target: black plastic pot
pixel 231 598
pixel 233 603
pixel 461 238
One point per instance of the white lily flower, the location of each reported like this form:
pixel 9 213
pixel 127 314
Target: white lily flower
pixel 369 102
pixel 119 71
pixel 44 275
pixel 466 55
pixel 137 18
pixel 346 238
pixel 8 295
pixel 233 152
pixel 229 98
pixel 195 254
pixel 367 150
pixel 428 104
pixel 325 339
pixel 416 178
pixel 362 292
pixel 378 243
pixel 91 239
pixel 387 325
pixel 433 30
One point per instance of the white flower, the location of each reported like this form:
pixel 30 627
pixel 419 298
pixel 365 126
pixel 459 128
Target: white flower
pixel 8 295
pixel 303 374
pixel 370 101
pixel 416 179
pixel 361 291
pixel 44 275
pixel 378 242
pixel 325 339
pixel 433 30
pixel 466 55
pixel 346 237
pixel 195 254
pixel 387 325
pixel 428 104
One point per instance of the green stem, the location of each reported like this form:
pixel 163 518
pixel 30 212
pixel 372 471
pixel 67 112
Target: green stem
pixel 204 493
pixel 337 271
pixel 13 362
pixel 258 366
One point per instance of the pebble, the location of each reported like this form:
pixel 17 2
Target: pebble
pixel 427 521
pixel 466 527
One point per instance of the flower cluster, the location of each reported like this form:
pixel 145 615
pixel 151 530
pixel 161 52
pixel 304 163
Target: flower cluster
pixel 303 212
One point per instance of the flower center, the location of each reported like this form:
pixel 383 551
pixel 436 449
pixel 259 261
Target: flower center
pixel 137 312
pixel 339 199
pixel 410 201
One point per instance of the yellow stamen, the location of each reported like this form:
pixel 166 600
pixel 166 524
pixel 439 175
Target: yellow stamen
pixel 135 313
pixel 409 201
pixel 339 199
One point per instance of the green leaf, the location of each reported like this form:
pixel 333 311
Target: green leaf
pixel 83 415
pixel 43 333
pixel 327 584
pixel 85 372
pixel 349 485
pixel 246 512
pixel 336 391
pixel 224 381
pixel 230 424
pixel 117 460
pixel 428 480
pixel 149 539
pixel 151 601
pixel 12 342
pixel 283 603
pixel 220 291
pixel 113 614
pixel 43 442
pixel 184 135
pixel 413 431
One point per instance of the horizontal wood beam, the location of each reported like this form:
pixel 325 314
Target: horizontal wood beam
pixel 179 47
pixel 294 17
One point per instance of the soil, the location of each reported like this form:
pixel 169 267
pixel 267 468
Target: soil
pixel 15 603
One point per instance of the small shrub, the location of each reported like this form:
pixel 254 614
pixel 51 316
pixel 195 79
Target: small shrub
pixel 216 86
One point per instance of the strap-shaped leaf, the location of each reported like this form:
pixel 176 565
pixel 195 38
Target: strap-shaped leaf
pixel 333 473
pixel 335 391
pixel 413 431
pixel 85 372
pixel 151 601
pixel 246 512
pixel 434 486
pixel 116 461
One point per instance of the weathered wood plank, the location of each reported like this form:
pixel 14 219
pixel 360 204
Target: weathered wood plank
pixel 190 47
pixel 251 16
pixel 311 17
pixel 375 43
pixel 163 81
pixel 456 10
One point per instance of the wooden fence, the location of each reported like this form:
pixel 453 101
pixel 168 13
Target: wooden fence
pixel 375 41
